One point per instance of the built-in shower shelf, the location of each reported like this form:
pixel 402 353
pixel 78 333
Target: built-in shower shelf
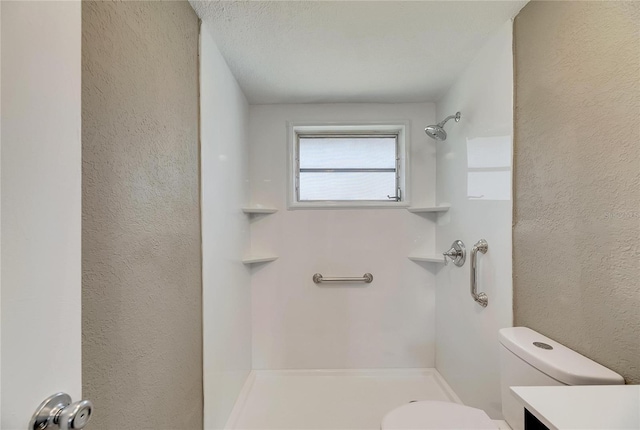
pixel 255 259
pixel 429 209
pixel 428 258
pixel 256 210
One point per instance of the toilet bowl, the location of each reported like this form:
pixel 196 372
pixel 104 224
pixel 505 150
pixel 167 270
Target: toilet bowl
pixel 527 358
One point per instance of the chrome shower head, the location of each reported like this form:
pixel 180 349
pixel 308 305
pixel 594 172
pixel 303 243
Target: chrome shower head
pixel 437 131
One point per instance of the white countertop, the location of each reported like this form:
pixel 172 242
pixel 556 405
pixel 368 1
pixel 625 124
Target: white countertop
pixel 611 407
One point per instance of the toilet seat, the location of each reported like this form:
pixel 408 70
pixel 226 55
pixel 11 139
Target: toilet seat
pixel 436 415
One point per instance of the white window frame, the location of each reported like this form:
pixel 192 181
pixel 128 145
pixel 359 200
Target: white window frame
pixel 383 128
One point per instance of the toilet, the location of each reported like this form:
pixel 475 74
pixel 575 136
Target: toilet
pixel 526 358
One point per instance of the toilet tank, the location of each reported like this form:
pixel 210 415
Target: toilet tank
pixel 528 358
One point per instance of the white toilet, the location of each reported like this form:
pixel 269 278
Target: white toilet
pixel 526 358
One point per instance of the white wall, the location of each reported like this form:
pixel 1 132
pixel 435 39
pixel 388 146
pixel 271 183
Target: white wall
pixel 225 235
pixel 0 217
pixel 41 343
pixel 475 161
pixel 298 324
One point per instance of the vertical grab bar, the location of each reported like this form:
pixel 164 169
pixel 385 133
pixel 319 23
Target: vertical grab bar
pixel 481 246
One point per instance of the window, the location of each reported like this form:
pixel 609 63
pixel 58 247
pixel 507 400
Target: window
pixel 348 166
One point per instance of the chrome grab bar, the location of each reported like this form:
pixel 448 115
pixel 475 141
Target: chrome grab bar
pixel 481 298
pixel 366 278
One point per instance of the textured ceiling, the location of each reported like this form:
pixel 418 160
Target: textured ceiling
pixel 350 51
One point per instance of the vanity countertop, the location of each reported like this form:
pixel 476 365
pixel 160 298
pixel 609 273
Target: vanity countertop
pixel 612 407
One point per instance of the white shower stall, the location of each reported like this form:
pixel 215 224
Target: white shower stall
pixel 283 352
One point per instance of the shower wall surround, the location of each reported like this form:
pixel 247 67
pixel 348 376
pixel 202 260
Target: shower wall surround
pixel 474 175
pixel 577 178
pixel 141 272
pixel 300 325
pixel 225 234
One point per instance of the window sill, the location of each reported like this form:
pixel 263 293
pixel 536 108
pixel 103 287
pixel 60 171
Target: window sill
pixel 347 205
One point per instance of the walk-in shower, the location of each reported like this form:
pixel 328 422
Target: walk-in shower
pixel 437 131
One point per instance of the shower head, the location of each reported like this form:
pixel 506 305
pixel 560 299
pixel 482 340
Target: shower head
pixel 437 131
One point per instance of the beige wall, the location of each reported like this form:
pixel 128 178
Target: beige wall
pixel 577 178
pixel 142 322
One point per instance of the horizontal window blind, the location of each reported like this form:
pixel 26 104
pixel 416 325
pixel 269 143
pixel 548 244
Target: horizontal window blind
pixel 347 168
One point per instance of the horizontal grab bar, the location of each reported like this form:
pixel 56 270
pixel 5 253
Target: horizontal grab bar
pixel 366 278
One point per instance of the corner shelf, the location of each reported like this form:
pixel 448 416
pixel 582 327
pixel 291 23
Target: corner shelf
pixel 255 259
pixel 255 210
pixel 438 259
pixel 258 258
pixel 429 209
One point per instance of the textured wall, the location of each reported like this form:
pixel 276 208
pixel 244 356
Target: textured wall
pixel 577 178
pixel 142 344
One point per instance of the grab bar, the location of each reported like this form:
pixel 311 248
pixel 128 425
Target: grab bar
pixel 482 299
pixel 366 278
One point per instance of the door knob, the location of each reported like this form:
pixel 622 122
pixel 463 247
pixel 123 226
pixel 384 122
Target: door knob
pixel 58 413
pixel 76 415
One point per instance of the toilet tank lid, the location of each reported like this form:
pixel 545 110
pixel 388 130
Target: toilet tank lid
pixel 560 362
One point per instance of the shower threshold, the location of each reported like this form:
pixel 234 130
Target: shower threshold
pixel 331 399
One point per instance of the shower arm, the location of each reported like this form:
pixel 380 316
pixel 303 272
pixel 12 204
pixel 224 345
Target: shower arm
pixel 444 121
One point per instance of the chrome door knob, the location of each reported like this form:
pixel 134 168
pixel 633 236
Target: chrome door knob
pixel 57 412
pixel 76 415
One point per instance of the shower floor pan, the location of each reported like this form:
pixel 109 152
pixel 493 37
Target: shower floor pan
pixel 331 399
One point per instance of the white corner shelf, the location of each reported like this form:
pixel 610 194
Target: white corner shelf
pixel 256 210
pixel 439 259
pixel 429 209
pixel 255 259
